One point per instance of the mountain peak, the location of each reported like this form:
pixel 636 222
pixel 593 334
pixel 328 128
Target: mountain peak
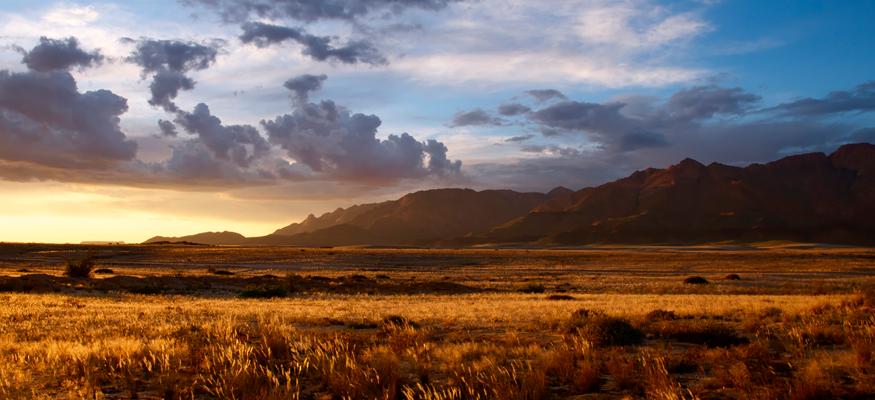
pixel 559 190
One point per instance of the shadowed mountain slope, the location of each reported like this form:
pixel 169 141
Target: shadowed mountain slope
pixel 205 238
pixel 417 218
pixel 809 197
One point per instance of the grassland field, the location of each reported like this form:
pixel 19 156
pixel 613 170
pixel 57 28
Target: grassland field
pixel 174 322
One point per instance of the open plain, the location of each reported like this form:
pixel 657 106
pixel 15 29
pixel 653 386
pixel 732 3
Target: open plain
pixel 772 320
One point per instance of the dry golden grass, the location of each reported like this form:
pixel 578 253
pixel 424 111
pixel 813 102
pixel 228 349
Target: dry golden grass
pixel 789 343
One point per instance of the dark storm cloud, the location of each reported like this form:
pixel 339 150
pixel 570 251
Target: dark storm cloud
pixel 336 143
pixel 475 117
pixel 225 142
pixel 861 99
pixel 545 95
pixel 517 139
pixel 302 85
pixel 165 86
pixel 45 120
pixel 510 110
pixel 311 10
pixel 178 56
pixel 169 60
pixel 167 128
pixel 59 55
pixel 317 47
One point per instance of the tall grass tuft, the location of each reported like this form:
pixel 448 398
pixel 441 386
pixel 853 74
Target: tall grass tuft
pixel 83 267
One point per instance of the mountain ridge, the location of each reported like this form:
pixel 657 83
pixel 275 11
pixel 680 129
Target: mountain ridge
pixel 805 197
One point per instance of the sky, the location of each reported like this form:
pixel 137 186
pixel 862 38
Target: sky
pixel 123 121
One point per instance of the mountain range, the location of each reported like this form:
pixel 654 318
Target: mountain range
pixel 809 197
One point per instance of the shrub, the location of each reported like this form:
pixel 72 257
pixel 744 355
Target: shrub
pixel 711 334
pixel 532 287
pixel 696 280
pixel 732 277
pixel 82 267
pixel 103 271
pixel 264 292
pixel 660 315
pixel 222 272
pixel 602 330
pixel 559 297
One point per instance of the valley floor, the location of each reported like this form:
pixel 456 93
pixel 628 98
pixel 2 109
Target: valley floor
pixel 182 322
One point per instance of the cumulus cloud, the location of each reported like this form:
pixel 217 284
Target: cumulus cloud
pixel 334 143
pixel 546 95
pixel 317 47
pixel 59 55
pixel 167 128
pixel 45 120
pixel 302 85
pixel 226 142
pixel 169 61
pixel 513 109
pixel 475 117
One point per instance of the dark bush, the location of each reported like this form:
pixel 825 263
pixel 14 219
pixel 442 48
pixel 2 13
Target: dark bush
pixel 264 292
pixel 103 271
pixel 696 280
pixel 732 277
pixel 603 330
pixel 660 315
pixel 82 267
pixel 532 287
pixel 559 297
pixel 709 333
pixel 221 272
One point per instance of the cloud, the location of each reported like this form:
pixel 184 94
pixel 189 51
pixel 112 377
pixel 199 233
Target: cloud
pixel 517 139
pixel 165 86
pixel 226 142
pixel 316 47
pixel 634 122
pixel 546 94
pixel 513 109
pixel 167 128
pixel 861 99
pixel 75 16
pixel 330 142
pixel 475 117
pixel 862 136
pixel 301 85
pixel 312 11
pixel 169 60
pixel 59 55
pixel 45 120
pixel 703 102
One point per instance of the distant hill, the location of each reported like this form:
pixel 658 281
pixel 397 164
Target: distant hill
pixel 417 218
pixel 809 197
pixel 204 238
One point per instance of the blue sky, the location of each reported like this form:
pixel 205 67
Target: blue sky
pixel 641 84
